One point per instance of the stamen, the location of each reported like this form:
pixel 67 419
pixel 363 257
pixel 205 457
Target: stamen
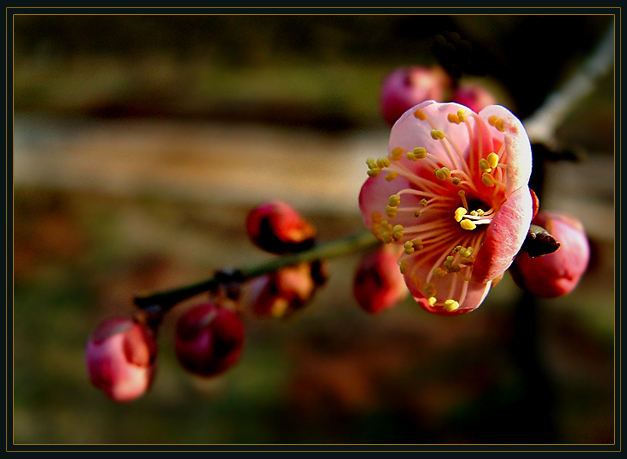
pixel 487 179
pixel 431 301
pixel 397 232
pixel 436 134
pixel 459 213
pixel 420 115
pixel 404 266
pixel 451 305
pixel 443 173
pixel 462 195
pixel 467 225
pixel 391 176
pixel 453 118
pixel 394 200
pixel 493 159
pixel 397 153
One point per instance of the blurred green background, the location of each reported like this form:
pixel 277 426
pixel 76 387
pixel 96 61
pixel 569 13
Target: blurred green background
pixel 142 141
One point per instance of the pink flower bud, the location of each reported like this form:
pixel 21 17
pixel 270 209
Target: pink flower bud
pixel 120 357
pixel 474 96
pixel 285 291
pixel 379 284
pixel 209 339
pixel 277 228
pixel 408 86
pixel 557 273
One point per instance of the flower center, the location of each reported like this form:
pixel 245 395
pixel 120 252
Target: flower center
pixel 469 219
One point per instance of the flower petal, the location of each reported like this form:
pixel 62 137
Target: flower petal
pixel 504 236
pixel 517 145
pixel 475 295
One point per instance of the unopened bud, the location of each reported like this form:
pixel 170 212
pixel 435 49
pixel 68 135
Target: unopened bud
pixel 283 292
pixel 408 86
pixel 557 273
pixel 474 96
pixel 120 358
pixel 277 228
pixel 209 339
pixel 378 283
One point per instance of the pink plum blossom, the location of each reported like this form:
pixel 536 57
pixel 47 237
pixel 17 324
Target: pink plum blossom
pixel 209 339
pixel 408 86
pixel 378 283
pixel 120 357
pixel 453 193
pixel 557 273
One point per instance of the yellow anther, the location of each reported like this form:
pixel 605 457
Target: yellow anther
pixel 484 165
pixel 453 118
pixel 436 134
pixel 480 212
pixel 492 119
pixel 456 180
pixel 397 232
pixel 397 153
pixel 420 115
pixel 467 225
pixel 420 152
pixel 371 163
pixel 456 249
pixel 416 213
pixel 431 301
pixel 404 266
pixel 461 114
pixel 374 172
pixel 394 200
pixel 391 176
pixel 417 244
pixel 466 261
pixel 487 179
pixel 438 273
pixel 429 289
pixel 493 159
pixel 500 125
pixel 459 214
pixel 409 247
pixel 466 251
pixel 376 217
pixel 390 211
pixel 473 213
pixel 443 173
pixel 383 163
pixel 451 305
pixel 424 202
pixel 454 268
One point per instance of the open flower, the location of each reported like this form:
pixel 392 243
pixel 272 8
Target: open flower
pixel 453 191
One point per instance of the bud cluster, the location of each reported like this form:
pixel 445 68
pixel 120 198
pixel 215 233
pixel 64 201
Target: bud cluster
pixel 406 87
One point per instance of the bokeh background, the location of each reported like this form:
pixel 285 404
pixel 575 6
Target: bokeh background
pixel 141 143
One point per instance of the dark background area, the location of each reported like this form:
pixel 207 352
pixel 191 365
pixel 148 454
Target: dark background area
pixel 142 141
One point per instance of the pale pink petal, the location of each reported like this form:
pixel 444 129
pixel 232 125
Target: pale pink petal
pixel 517 146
